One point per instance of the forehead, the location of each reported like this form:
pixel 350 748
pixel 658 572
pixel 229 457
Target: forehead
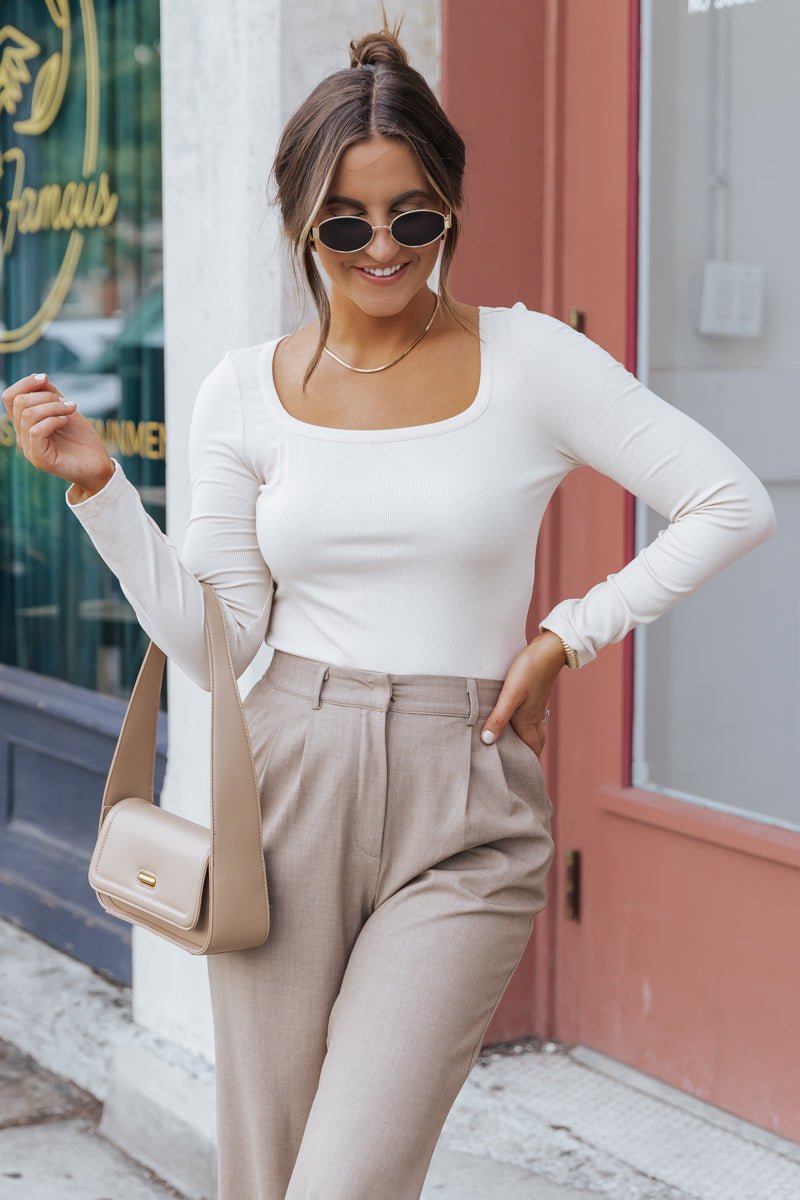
pixel 378 169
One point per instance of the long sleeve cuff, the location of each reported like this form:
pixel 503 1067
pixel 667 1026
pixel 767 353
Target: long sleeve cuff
pixel 83 508
pixel 558 622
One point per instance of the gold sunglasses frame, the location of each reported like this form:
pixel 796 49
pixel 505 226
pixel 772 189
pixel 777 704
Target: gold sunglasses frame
pixel 448 217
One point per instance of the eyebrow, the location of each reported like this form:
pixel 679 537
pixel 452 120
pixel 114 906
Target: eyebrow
pixel 410 195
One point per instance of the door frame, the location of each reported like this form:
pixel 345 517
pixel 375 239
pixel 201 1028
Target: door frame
pixel 682 942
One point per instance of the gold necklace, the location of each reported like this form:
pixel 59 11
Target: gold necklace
pixel 369 370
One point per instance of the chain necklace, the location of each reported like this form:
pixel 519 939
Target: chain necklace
pixel 370 370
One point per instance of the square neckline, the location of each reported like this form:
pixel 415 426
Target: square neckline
pixel 392 434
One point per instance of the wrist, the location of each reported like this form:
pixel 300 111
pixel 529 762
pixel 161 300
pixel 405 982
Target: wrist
pixel 552 643
pixel 90 487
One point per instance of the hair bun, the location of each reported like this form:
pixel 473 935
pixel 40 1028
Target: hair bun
pixel 376 49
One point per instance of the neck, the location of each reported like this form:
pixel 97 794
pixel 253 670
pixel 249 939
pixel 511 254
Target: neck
pixel 362 337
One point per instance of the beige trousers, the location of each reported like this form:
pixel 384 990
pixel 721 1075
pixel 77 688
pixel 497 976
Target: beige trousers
pixel 406 861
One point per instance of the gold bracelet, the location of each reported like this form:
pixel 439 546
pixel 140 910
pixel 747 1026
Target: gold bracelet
pixel 570 654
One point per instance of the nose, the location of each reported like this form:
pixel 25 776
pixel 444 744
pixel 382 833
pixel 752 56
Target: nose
pixel 383 248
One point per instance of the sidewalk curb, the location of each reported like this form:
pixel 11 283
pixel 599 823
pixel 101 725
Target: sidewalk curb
pixel 158 1099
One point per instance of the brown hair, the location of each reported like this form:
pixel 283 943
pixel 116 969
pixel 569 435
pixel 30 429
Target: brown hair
pixel 379 94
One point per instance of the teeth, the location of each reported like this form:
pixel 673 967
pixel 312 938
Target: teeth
pixel 383 270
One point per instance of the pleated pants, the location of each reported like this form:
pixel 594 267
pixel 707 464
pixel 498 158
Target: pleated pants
pixel 406 861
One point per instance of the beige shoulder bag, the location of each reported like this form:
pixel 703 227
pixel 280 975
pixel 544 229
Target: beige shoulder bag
pixel 204 889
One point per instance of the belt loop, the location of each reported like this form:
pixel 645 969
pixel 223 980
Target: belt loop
pixel 472 688
pixel 322 675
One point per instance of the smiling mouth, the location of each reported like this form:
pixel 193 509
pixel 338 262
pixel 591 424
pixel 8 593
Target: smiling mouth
pixel 383 272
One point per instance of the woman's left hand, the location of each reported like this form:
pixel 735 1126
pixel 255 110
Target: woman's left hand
pixel 523 697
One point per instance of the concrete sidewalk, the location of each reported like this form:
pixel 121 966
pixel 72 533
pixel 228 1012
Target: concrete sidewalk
pixel 532 1122
pixel 50 1149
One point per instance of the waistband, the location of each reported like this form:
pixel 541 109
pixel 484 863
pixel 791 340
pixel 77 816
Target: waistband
pixel 441 695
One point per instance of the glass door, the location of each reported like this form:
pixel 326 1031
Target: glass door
pixel 717 679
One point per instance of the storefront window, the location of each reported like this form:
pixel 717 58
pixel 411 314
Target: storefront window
pixel 80 298
pixel 717 709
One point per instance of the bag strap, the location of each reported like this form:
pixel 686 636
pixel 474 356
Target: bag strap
pixel 237 867
pixel 132 770
pixel 236 861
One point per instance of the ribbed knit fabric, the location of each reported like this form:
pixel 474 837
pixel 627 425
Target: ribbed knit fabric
pixel 411 550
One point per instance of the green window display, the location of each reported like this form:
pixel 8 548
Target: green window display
pixel 80 298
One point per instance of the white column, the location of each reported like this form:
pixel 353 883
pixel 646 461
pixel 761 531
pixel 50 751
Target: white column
pixel 221 113
pixel 231 74
pixel 221 116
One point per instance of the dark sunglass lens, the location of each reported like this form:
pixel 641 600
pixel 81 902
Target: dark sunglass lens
pixel 345 234
pixel 418 228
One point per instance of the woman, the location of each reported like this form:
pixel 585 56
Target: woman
pixel 366 496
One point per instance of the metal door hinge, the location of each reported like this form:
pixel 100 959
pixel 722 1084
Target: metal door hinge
pixel 577 318
pixel 572 885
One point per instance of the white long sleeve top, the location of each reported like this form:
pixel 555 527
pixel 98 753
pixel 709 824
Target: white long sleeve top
pixel 411 550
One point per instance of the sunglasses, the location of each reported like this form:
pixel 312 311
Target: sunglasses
pixel 417 228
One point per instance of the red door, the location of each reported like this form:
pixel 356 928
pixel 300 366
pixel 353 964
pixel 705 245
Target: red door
pixel 682 959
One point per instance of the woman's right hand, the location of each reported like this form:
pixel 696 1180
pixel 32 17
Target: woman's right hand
pixel 55 437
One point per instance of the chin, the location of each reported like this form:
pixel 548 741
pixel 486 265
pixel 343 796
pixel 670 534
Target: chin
pixel 385 304
pixel 385 300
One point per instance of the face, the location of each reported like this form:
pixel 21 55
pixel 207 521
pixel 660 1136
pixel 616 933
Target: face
pixel 377 180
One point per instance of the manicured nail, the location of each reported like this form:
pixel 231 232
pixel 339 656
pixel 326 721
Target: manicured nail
pixel 42 375
pixel 487 736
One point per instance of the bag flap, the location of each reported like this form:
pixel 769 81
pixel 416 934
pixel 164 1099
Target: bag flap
pixel 153 859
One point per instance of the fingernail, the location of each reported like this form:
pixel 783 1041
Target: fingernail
pixel 487 736
pixel 42 375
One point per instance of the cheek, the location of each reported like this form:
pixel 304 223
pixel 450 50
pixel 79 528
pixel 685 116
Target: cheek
pixel 332 265
pixel 431 255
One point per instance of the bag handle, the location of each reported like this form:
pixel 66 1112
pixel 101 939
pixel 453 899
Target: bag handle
pixel 236 861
